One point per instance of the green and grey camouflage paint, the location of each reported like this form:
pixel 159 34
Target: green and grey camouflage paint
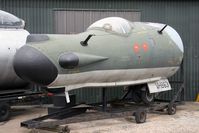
pixel 111 58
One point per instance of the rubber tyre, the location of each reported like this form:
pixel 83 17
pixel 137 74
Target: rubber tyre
pixel 147 98
pixel 171 109
pixel 140 116
pixel 4 111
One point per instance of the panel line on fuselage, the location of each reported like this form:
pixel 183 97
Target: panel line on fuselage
pixel 119 77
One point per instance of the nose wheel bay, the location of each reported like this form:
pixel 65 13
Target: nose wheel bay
pixel 139 94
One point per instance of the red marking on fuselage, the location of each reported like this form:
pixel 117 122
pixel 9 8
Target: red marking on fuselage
pixel 145 46
pixel 136 48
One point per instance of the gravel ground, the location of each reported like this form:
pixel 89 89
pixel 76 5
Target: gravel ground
pixel 186 120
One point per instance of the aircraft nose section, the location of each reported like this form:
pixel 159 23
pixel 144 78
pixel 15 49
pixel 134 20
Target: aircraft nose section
pixel 175 37
pixel 33 66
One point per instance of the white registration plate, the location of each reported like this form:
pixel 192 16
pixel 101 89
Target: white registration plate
pixel 159 86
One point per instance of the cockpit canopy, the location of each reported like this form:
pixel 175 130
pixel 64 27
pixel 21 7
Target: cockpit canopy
pixel 8 20
pixel 113 24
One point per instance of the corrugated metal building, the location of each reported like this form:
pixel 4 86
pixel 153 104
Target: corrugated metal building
pixel 46 16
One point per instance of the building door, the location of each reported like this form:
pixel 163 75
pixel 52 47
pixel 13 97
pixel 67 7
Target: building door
pixel 76 21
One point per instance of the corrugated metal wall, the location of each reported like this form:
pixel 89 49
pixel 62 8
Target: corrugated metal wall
pixel 182 15
pixel 77 21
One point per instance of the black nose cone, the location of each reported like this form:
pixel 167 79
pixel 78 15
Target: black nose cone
pixel 33 66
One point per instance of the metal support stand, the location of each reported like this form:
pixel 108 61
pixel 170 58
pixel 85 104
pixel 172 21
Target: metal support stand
pixel 140 113
pixel 104 99
pixel 182 96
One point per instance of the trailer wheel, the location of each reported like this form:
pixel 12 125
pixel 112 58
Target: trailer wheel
pixel 171 109
pixel 140 116
pixel 4 111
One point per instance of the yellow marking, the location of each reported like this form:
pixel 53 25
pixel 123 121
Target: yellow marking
pixel 197 99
